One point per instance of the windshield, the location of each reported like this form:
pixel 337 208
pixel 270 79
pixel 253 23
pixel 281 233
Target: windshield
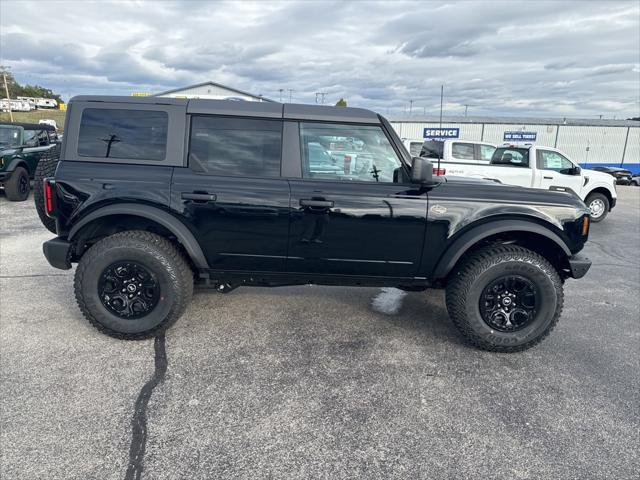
pixel 9 136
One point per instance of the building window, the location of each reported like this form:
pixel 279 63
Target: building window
pixel 235 146
pixel 123 134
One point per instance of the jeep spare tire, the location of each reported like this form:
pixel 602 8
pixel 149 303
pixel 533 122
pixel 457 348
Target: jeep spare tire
pixel 46 168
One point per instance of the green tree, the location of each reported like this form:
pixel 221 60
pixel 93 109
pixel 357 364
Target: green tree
pixel 17 90
pixel 341 103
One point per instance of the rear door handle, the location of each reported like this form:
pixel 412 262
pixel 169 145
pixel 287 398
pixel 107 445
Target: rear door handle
pixel 316 203
pixel 199 197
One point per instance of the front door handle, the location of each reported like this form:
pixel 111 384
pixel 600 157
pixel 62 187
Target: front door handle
pixel 199 197
pixel 548 178
pixel 316 203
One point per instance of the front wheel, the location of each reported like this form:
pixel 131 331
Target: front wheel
pixel 599 206
pixel 133 285
pixel 504 298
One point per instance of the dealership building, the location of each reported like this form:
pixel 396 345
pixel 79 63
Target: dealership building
pixel 614 143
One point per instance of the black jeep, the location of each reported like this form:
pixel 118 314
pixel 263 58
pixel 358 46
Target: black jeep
pixel 153 196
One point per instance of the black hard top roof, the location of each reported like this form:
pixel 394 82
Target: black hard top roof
pixel 29 126
pixel 247 109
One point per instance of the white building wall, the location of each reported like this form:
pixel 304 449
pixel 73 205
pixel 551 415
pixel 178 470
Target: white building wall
pixel 632 153
pixel 605 143
pixel 414 131
pixel 592 145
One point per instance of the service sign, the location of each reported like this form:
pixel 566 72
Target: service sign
pixel 520 136
pixel 441 133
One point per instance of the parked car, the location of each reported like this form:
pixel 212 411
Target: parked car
pixel 635 180
pixel 622 175
pixel 22 145
pixel 543 168
pixel 153 196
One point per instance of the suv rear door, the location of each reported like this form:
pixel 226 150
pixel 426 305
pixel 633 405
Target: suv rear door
pixel 352 214
pixel 231 194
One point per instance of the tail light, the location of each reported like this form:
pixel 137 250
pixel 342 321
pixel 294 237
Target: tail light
pixel 439 171
pixel 49 197
pixel 347 164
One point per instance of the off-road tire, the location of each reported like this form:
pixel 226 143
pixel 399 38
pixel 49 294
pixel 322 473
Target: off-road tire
pixel 14 187
pixel 598 196
pixel 159 256
pixel 46 168
pixel 476 271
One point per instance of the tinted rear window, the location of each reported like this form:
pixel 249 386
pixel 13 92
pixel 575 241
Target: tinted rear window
pixel 121 133
pixel 235 146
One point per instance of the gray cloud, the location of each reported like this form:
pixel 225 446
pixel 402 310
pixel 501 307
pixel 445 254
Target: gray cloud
pixel 515 58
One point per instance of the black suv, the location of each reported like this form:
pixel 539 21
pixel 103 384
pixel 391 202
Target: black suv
pixel 153 196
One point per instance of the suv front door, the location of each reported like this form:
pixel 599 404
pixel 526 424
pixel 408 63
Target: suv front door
pixel 232 196
pixel 351 213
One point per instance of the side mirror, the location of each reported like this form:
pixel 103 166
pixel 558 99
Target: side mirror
pixel 421 170
pixel 577 170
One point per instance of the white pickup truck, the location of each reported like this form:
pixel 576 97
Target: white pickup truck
pixel 542 167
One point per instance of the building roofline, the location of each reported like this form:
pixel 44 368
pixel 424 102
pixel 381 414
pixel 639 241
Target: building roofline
pixel 242 92
pixel 577 122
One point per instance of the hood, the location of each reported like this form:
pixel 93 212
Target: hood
pixel 595 176
pixel 491 190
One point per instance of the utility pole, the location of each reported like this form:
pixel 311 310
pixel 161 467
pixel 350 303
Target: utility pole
pixel 322 95
pixel 441 101
pixel 6 89
pixel 466 107
pixel 281 90
pixel 290 92
pixel 410 106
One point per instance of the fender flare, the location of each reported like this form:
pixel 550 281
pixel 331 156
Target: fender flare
pixel 459 246
pixel 171 223
pixel 18 162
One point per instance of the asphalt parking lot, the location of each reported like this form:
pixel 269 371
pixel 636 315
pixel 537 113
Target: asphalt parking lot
pixel 317 382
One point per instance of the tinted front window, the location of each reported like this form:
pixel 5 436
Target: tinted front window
pixel 462 150
pixel 235 146
pixel 367 156
pixel 515 157
pixel 130 134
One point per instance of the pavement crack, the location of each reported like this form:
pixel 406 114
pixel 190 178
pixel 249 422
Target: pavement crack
pixel 139 420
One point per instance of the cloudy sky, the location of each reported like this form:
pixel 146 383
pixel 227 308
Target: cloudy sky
pixel 562 58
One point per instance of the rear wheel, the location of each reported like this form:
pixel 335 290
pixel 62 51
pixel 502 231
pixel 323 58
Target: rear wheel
pixel 133 285
pixel 16 189
pixel 505 298
pixel 46 168
pixel 599 206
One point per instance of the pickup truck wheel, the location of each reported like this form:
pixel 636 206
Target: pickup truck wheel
pixel 505 298
pixel 133 285
pixel 599 206
pixel 46 168
pixel 16 189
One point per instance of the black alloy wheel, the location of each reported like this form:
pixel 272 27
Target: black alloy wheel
pixel 128 290
pixel 509 303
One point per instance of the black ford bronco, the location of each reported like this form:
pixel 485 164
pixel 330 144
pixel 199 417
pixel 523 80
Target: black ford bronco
pixel 154 195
